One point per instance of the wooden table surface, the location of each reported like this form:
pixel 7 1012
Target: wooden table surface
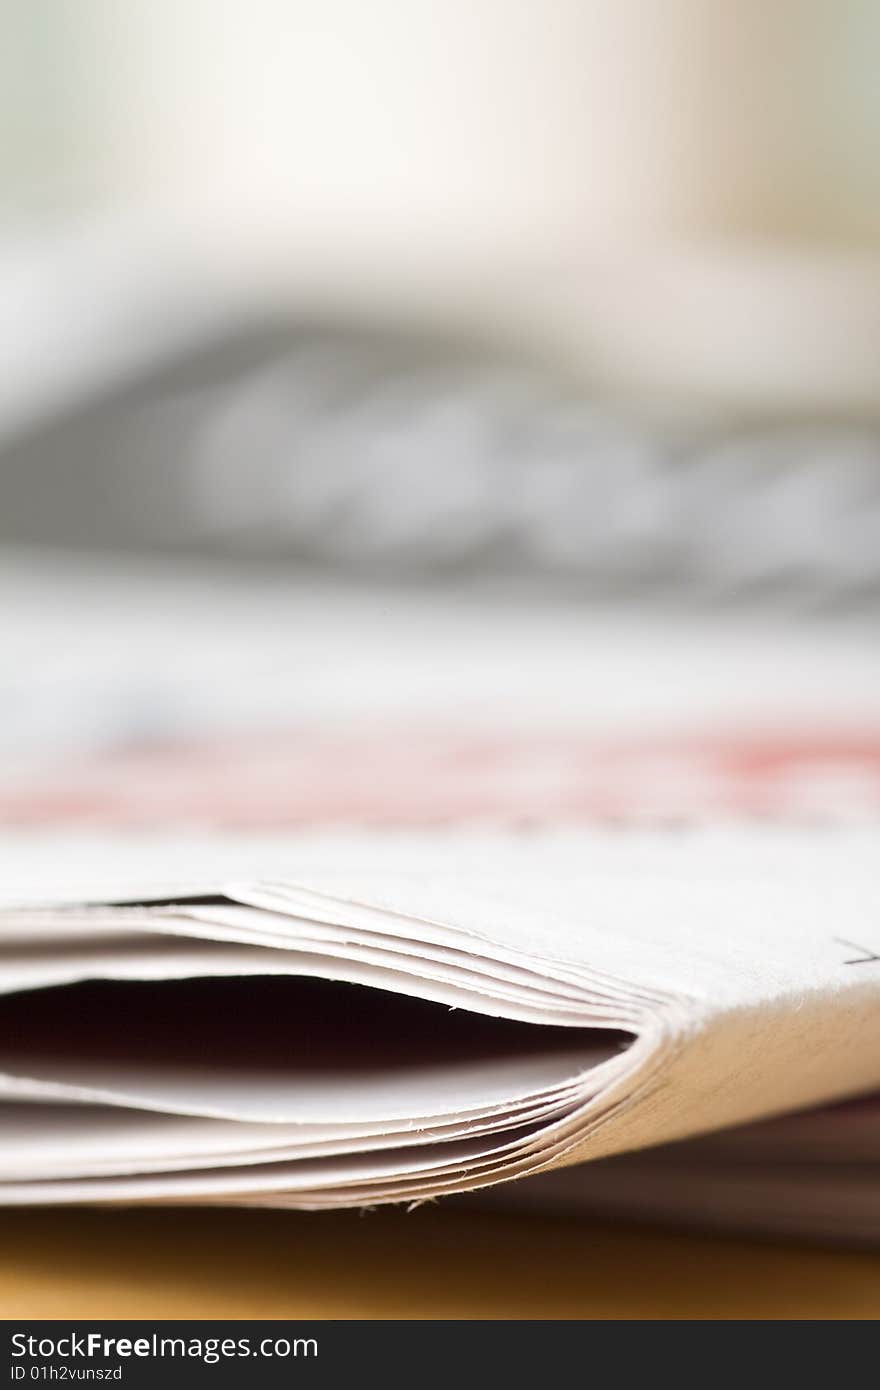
pixel 431 1263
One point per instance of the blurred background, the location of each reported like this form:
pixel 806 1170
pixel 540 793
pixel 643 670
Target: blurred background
pixel 492 360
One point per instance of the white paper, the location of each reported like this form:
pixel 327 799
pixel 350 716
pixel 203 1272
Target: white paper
pixel 659 985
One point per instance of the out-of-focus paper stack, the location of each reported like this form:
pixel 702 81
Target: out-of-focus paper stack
pixel 812 1174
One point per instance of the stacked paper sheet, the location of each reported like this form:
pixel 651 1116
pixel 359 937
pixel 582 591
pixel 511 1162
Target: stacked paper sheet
pixel 301 1036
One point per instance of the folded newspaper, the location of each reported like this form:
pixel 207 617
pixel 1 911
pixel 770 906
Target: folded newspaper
pixel 289 1011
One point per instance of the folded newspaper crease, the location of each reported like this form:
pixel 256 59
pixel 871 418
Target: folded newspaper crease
pixel 313 1038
